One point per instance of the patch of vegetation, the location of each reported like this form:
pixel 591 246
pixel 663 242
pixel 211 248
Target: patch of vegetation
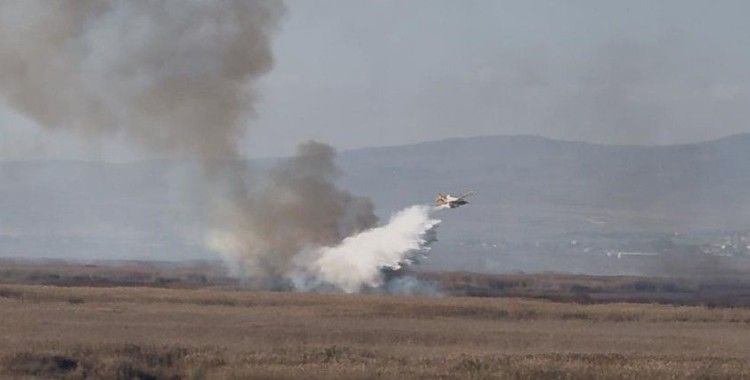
pixel 474 367
pixel 39 364
pixel 332 354
pixel 11 294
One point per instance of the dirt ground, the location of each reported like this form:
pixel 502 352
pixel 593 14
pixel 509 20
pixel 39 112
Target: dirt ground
pixel 149 333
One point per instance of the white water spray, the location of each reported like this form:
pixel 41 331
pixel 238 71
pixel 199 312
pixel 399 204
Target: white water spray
pixel 360 259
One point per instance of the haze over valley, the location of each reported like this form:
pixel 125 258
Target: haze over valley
pixel 541 204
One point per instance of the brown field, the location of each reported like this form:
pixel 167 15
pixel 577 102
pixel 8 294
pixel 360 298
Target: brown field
pixel 138 332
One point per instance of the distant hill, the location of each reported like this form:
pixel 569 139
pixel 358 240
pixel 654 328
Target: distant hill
pixel 531 186
pixel 527 188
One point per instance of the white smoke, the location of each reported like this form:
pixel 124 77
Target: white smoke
pixel 359 260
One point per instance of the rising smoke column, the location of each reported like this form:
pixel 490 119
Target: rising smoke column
pixel 297 206
pixel 176 77
pixel 173 76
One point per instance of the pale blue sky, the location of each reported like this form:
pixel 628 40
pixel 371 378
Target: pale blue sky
pixel 364 73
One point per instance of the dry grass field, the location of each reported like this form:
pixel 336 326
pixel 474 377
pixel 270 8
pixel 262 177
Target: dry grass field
pixel 155 333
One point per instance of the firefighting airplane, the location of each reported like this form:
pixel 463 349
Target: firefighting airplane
pixel 451 201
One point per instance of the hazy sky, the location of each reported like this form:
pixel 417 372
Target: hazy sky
pixel 364 73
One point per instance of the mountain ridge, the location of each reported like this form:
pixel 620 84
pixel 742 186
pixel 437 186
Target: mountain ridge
pixel 344 151
pixel 529 189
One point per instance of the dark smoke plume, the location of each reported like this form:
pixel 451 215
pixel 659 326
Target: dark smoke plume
pixel 173 76
pixel 176 77
pixel 297 207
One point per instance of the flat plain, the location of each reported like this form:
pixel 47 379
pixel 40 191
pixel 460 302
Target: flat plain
pixel 226 332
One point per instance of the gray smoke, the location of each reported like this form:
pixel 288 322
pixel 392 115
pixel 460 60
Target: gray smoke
pixel 296 207
pixel 176 77
pixel 173 76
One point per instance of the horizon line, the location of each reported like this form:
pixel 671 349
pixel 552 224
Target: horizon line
pixel 377 147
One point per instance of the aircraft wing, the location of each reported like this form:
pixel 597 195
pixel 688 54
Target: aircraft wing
pixel 466 195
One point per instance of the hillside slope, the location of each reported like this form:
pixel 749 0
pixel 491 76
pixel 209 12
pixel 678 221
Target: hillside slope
pixel 528 189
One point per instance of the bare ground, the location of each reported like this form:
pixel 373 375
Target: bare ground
pixel 142 333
